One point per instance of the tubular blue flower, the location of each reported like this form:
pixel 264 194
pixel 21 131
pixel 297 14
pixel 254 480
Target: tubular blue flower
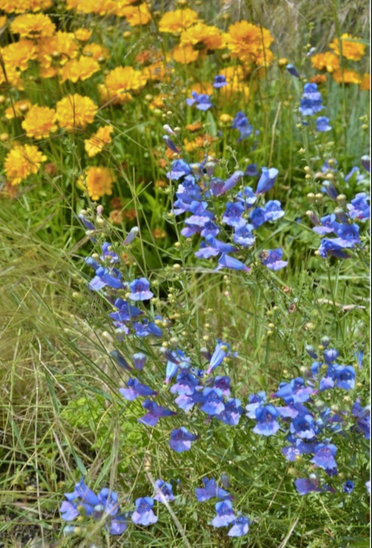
pixel 87 224
pixel 255 401
pixel 330 189
pixel 139 361
pixel 324 458
pixel 241 123
pixel 136 389
pixel 187 402
pixel 353 170
pixel 139 290
pixel 120 360
pixel 305 486
pixel 348 487
pixel 292 70
pixel 179 169
pixel 164 491
pixel 131 236
pixel 220 352
pixel 267 180
pixel 223 384
pixel 348 236
pixel 201 216
pixel 225 261
pixel 144 515
pixel 168 141
pixel 366 163
pixel 322 124
pixel 272 259
pixel 359 207
pixel 363 416
pixel 243 236
pixel 328 224
pixel 295 391
pixel 251 170
pixel 219 81
pixel 213 401
pixel 210 491
pixel 330 247
pixel 181 439
pixel 232 181
pixel 216 185
pixel 233 214
pixel 186 383
pixel 247 197
pixel 303 427
pixel 345 377
pixel 213 247
pixel 311 351
pixel 266 416
pixel 104 277
pixel 146 328
pixel 311 102
pixel 202 101
pixel 240 527
pixel 108 254
pixel 154 413
pixel 232 412
pixel 225 514
pixel 125 311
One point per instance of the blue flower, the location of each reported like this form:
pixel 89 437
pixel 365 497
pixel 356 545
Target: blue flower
pixel 220 352
pixel 106 276
pixel 186 383
pixel 255 400
pixel 272 259
pixel 179 169
pixel 348 487
pixel 164 491
pixel 267 180
pixel 168 141
pixel 87 224
pixel 139 290
pixel 210 491
pixel 144 515
pixel 366 163
pixel 131 236
pixel 136 389
pixel 240 527
pixel 219 81
pixel 180 439
pixel 303 426
pixel 139 361
pixel 232 412
pixel 311 101
pixel 125 311
pixel 241 123
pixel 108 254
pixel 328 224
pixel 120 360
pixel 233 214
pixel 330 247
pixel 345 377
pixel 243 236
pixel 324 458
pixel 225 261
pixel 154 413
pixel 322 124
pixel 202 101
pixel 247 197
pixel 266 416
pixel 359 207
pixel 232 181
pixel 295 391
pixel 308 485
pixel 292 70
pixel 223 384
pixel 251 170
pixel 213 401
pixel 225 514
pixel 363 416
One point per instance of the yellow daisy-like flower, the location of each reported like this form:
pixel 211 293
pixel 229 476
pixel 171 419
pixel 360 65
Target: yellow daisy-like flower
pixel 185 54
pixel 177 21
pixel 350 47
pixel 325 61
pixel 11 76
pixel 82 35
pixel 365 84
pixel 158 102
pixel 75 111
pixel 39 122
pixel 18 109
pixel 100 7
pixel 349 77
pixel 119 83
pixel 249 43
pixel 135 15
pixel 22 161
pixel 19 54
pixel 157 71
pixel 17 6
pixel 3 21
pixel 97 181
pixel 79 69
pixel 48 72
pixel 202 37
pixel 96 51
pixel 59 48
pixel 33 25
pixel 98 141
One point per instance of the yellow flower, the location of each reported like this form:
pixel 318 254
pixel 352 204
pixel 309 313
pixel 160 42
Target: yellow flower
pixel 82 35
pixel 97 181
pixel 96 51
pixel 100 7
pixel 199 143
pixel 22 161
pixel 18 6
pixel 249 43
pixel 185 54
pixel 119 83
pixel 19 54
pixel 48 72
pixel 135 15
pixel 350 77
pixel 33 25
pixel 75 111
pixel 158 102
pixel 18 109
pixel 98 140
pixel 328 61
pixel 177 21
pixel 11 76
pixel 157 71
pixel 351 48
pixel 79 69
pixel 39 122
pixel 202 37
pixel 365 84
pixel 202 87
pixel 60 47
pixel 3 20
